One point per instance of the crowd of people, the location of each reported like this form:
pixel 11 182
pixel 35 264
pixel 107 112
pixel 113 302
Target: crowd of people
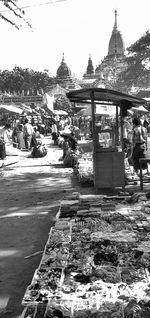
pixel 14 140
pixel 24 136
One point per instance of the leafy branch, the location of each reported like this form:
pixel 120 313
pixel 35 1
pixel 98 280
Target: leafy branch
pixel 12 6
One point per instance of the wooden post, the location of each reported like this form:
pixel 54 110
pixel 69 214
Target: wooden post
pixel 121 128
pixel 93 133
pixel 122 141
pixel 117 127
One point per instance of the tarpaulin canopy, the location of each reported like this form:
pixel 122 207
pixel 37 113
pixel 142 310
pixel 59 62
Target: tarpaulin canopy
pixel 49 100
pixel 11 108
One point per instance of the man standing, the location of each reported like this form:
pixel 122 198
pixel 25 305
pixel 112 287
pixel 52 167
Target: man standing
pixel 28 133
pixel 5 135
pixel 54 132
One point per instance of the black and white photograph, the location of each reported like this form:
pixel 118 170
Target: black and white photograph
pixel 74 159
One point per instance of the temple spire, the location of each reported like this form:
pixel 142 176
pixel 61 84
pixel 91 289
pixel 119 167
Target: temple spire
pixel 115 24
pixel 90 68
pixel 116 45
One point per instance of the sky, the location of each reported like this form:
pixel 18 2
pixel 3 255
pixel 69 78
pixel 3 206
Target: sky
pixel 77 28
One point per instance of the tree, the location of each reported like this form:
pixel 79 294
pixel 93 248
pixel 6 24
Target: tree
pixel 137 72
pixel 24 79
pixel 17 13
pixel 63 103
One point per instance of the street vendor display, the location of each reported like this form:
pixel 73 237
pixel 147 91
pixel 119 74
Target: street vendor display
pixel 96 262
pixel 108 152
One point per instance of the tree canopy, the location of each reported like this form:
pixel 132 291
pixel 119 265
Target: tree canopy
pixel 63 103
pixel 24 79
pixel 137 72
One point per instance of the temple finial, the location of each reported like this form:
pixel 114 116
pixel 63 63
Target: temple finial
pixel 63 57
pixel 115 25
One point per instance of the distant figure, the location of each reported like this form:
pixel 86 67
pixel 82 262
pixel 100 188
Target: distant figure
pixel 4 140
pixel 14 136
pixel 72 141
pixel 65 146
pixel 54 132
pixel 28 133
pixel 139 144
pixel 20 137
pixel 36 136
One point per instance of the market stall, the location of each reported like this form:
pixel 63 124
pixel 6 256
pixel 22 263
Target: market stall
pixel 96 262
pixel 108 152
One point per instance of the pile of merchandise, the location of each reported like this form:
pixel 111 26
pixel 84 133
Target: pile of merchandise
pixel 96 263
pixel 84 169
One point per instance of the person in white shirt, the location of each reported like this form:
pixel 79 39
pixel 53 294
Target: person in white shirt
pixel 5 135
pixel 54 132
pixel 28 133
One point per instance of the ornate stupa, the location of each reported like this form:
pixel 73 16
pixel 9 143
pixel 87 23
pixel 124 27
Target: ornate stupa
pixel 63 70
pixel 64 77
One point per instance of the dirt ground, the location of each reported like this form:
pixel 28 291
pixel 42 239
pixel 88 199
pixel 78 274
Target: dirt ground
pixel 30 194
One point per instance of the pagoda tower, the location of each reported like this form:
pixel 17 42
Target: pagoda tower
pixel 89 69
pixel 116 44
pixel 89 76
pixel 114 63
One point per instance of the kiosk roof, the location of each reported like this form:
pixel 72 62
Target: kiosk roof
pixel 101 95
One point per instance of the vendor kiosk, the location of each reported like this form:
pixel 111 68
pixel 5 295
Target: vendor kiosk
pixel 108 152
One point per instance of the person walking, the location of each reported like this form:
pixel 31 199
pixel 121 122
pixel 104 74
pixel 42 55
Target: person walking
pixel 28 133
pixel 54 132
pixel 20 137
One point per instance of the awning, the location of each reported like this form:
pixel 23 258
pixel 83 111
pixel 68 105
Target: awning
pixel 102 94
pixel 12 109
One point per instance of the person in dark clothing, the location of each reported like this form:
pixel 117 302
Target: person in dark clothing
pixel 2 149
pixel 72 141
pixel 139 144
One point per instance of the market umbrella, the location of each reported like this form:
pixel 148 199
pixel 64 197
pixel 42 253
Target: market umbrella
pixel 140 109
pixel 60 112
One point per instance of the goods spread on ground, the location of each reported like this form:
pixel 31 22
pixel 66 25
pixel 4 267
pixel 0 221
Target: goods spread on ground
pixel 96 262
pixel 84 170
